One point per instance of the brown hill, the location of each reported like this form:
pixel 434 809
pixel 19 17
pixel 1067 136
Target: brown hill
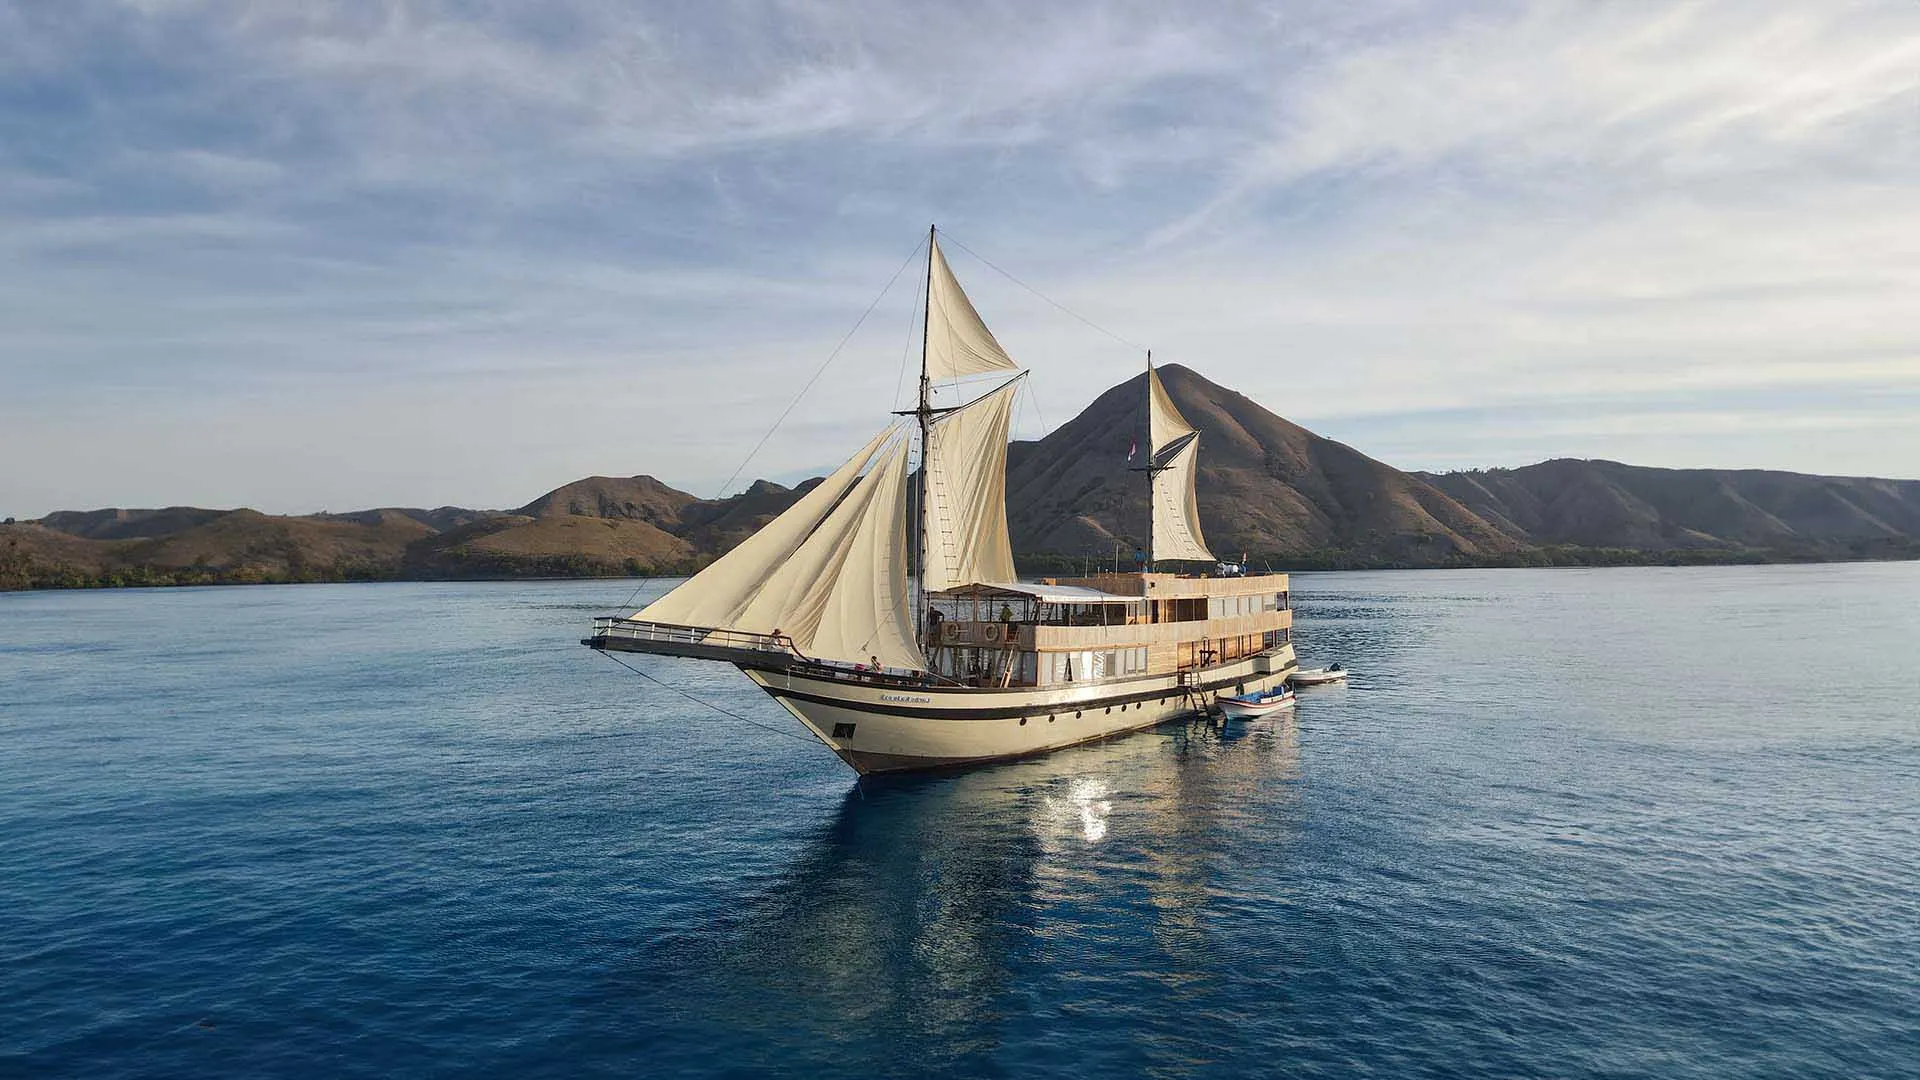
pixel 439 519
pixel 1266 486
pixel 561 545
pixel 592 527
pixel 1607 504
pixel 117 524
pixel 637 498
pixel 231 546
pixel 716 525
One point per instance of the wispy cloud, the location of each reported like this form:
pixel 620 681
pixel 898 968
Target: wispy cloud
pixel 410 250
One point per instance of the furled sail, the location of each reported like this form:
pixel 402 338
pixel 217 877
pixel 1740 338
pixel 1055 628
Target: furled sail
pixel 966 494
pixel 716 595
pixel 1165 425
pixel 958 341
pixel 1176 512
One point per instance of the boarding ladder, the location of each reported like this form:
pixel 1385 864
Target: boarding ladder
pixel 1188 682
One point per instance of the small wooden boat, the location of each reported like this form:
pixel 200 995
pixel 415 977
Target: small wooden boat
pixel 1319 676
pixel 1252 706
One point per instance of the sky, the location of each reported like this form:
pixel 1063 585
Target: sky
pixel 345 253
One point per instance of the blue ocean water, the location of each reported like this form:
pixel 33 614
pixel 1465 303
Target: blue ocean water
pixel 1608 823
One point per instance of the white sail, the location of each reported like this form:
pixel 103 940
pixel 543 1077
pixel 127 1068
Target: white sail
pixel 716 595
pixel 1176 513
pixel 958 341
pixel 869 613
pixel 965 519
pixel 1165 425
pixel 794 597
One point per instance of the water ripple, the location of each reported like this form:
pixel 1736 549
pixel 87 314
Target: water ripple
pixel 1579 823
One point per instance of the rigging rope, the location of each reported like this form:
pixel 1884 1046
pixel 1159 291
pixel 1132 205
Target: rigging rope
pixel 822 369
pixel 1064 308
pixel 906 351
pixel 701 701
pixel 791 405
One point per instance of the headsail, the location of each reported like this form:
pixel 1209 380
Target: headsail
pixel 830 573
pixel 868 613
pixel 958 341
pixel 843 594
pixel 1175 455
pixel 966 494
pixel 715 596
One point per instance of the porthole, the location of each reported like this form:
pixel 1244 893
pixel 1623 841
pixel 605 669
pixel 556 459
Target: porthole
pixel 1023 721
pixel 1109 708
pixel 1076 714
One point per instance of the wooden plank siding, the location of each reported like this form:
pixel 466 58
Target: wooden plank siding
pixel 1075 638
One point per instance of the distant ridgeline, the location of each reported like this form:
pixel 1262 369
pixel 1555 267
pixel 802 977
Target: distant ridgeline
pixel 1268 487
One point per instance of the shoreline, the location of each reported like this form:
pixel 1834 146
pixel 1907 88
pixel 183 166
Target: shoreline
pixel 1039 566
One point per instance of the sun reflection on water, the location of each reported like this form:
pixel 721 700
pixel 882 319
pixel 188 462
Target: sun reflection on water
pixel 1084 808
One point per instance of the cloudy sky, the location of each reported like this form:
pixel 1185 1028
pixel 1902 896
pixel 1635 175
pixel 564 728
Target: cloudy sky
pixel 341 253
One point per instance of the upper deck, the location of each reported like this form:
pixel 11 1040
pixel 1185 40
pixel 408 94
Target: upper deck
pixel 1114 623
pixel 1176 586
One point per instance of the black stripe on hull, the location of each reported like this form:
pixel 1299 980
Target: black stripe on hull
pixel 1008 712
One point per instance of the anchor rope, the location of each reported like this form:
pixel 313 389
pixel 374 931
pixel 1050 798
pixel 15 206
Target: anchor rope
pixel 699 701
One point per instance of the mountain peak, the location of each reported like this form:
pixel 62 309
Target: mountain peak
pixel 1266 485
pixel 636 498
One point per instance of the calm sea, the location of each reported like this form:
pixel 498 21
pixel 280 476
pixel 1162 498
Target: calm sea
pixel 1620 823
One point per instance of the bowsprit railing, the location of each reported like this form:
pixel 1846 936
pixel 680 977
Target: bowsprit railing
pixel 701 642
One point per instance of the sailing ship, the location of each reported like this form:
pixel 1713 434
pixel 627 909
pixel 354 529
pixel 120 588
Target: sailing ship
pixel 883 611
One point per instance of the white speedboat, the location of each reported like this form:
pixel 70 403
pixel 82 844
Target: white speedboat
pixel 1255 705
pixel 1319 676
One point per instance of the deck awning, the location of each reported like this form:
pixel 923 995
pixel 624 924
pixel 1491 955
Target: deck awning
pixel 1048 594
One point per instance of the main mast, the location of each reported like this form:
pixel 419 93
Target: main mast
pixel 924 412
pixel 1147 401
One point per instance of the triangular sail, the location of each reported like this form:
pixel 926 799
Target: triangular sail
pixel 794 598
pixel 965 459
pixel 958 341
pixel 869 613
pixel 716 595
pixel 1165 425
pixel 1176 511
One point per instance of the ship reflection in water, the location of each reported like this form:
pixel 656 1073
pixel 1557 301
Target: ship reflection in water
pixel 942 919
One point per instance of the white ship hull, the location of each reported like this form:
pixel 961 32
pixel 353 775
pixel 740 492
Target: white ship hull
pixel 884 727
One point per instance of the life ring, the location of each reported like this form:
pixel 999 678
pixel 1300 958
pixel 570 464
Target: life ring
pixel 949 632
pixel 995 633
